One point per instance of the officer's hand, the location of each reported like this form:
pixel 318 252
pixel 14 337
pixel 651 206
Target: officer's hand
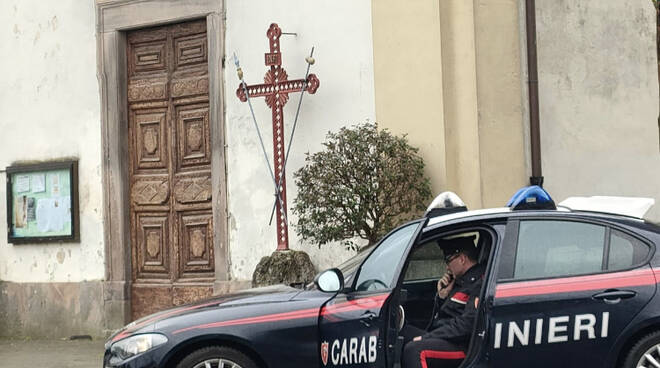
pixel 417 338
pixel 447 280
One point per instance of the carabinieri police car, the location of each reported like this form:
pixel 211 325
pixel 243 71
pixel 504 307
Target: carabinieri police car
pixel 569 286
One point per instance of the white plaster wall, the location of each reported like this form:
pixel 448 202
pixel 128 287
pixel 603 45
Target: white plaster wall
pixel 49 109
pixel 342 35
pixel 598 89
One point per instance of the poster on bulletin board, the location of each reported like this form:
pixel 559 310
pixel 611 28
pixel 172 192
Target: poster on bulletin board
pixel 42 202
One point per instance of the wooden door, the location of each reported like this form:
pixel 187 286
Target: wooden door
pixel 170 166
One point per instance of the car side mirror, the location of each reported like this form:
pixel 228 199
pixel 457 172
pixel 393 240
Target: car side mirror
pixel 330 281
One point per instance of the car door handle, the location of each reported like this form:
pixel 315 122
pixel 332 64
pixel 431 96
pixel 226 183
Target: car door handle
pixel 614 296
pixel 367 318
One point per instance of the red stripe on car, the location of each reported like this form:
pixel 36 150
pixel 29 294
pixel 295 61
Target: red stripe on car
pixel 173 312
pixel 356 304
pixel 578 283
pixel 303 313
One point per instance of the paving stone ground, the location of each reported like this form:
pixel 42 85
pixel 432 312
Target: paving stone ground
pixel 51 353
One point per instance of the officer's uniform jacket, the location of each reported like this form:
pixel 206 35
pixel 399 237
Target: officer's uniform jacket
pixel 454 320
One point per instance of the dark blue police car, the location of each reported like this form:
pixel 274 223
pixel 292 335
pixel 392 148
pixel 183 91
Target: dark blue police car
pixel 569 286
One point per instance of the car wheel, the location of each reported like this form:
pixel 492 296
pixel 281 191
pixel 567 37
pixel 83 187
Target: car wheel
pixel 216 357
pixel 645 352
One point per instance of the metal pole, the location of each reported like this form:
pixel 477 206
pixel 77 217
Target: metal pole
pixel 533 86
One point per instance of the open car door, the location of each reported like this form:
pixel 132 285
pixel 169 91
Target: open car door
pixel 358 327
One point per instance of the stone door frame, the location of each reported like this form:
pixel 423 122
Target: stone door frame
pixel 113 19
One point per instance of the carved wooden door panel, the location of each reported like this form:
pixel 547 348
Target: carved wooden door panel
pixel 170 166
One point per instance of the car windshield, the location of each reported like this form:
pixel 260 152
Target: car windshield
pixel 349 267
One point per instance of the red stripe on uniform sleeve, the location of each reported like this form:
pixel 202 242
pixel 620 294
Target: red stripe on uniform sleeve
pixel 461 297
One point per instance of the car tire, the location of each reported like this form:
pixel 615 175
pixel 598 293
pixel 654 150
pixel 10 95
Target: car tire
pixel 213 355
pixel 649 344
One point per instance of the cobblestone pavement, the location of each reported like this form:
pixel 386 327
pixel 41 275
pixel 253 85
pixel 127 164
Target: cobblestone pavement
pixel 51 353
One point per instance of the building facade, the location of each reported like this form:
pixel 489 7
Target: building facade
pixel 174 193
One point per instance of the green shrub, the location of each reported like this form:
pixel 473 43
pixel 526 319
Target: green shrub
pixel 361 185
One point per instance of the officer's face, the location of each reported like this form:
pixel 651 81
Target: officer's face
pixel 456 264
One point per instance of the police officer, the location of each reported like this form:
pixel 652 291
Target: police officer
pixel 446 339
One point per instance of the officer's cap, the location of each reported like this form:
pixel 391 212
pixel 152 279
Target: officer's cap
pixel 457 245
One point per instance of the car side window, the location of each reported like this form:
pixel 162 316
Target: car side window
pixel 377 272
pixel 426 262
pixel 625 251
pixel 558 248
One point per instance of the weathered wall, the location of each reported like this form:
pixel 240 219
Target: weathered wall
pixel 48 91
pixel 408 78
pixel 460 100
pixel 341 34
pixel 499 96
pixel 50 109
pixel 598 89
pixel 51 310
pixel 449 77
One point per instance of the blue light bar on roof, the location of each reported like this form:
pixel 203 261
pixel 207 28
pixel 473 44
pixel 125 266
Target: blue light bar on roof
pixel 531 198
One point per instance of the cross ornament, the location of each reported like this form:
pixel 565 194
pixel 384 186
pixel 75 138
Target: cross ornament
pixel 276 89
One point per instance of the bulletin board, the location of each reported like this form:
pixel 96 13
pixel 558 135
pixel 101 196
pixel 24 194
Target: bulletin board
pixel 42 202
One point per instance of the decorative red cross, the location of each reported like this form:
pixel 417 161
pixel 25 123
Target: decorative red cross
pixel 276 89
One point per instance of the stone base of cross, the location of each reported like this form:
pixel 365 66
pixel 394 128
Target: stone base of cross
pixel 276 89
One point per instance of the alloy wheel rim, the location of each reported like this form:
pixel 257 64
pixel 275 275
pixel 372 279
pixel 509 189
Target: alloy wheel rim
pixel 651 358
pixel 217 363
